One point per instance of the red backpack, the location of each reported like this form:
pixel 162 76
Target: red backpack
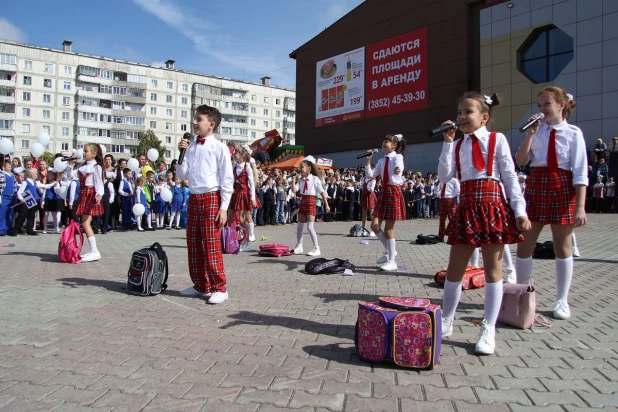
pixel 68 247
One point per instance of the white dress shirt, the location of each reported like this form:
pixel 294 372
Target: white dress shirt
pixel 95 176
pixel 503 167
pixel 394 160
pixel 570 150
pixel 251 183
pixel 112 194
pixel 371 184
pixel 208 168
pixel 314 185
pixel 452 189
pixel 121 191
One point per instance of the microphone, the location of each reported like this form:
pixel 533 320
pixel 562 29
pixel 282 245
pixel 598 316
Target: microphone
pixel 181 157
pixel 68 158
pixel 531 123
pixel 367 154
pixel 443 129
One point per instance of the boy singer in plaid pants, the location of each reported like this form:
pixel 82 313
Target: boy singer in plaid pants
pixel 208 168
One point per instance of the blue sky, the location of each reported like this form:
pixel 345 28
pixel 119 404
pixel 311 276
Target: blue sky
pixel 241 39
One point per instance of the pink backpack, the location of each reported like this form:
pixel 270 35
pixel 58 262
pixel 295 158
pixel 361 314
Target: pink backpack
pixel 275 249
pixel 68 247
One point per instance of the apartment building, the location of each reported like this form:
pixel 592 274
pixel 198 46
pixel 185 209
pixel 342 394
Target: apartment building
pixel 78 98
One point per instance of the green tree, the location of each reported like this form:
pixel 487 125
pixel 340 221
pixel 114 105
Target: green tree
pixel 49 157
pixel 149 140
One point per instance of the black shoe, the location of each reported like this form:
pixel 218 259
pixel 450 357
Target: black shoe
pixel 150 229
pixel 12 234
pixel 2 234
pixel 32 233
pixel 104 233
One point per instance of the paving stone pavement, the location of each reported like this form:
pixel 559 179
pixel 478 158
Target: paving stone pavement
pixel 72 340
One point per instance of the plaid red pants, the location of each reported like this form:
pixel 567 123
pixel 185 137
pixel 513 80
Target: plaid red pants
pixel 447 211
pixel 204 243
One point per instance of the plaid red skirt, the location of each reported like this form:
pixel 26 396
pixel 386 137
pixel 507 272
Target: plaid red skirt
pixel 550 196
pixel 87 202
pixel 241 200
pixel 368 200
pixel 307 205
pixel 390 204
pixel 482 216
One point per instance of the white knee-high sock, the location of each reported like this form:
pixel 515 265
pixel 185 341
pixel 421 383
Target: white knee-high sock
pixel 177 219
pixel 45 220
pixel 382 238
pixel 57 220
pixel 573 240
pixel 391 248
pixel 138 220
pixel 508 259
pixel 93 244
pixel 452 294
pixel 149 221
pixel 564 274
pixel 299 233
pixel 493 300
pixel 524 270
pixel 314 236
pixel 251 229
pixel 474 259
pixel 172 217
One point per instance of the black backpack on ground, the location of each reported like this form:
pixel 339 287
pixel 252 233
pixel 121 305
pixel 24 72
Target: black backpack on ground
pixel 321 266
pixel 148 271
pixel 544 250
pixel 427 239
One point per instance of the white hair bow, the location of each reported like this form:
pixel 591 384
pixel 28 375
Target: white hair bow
pixel 399 137
pixel 570 97
pixel 310 159
pixel 488 100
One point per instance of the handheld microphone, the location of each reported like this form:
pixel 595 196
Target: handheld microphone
pixel 443 129
pixel 539 117
pixel 367 154
pixel 181 157
pixel 68 158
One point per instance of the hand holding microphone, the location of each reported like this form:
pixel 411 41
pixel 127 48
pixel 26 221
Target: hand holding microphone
pixel 368 153
pixel 182 146
pixel 533 123
pixel 447 130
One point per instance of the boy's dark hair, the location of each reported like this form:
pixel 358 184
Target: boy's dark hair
pixel 125 170
pixel 150 172
pixel 211 113
pixel 9 162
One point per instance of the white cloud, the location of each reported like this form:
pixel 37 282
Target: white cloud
pixel 9 31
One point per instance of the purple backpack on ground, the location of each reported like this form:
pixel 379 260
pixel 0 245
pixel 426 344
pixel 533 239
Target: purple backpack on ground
pixel 407 331
pixel 229 241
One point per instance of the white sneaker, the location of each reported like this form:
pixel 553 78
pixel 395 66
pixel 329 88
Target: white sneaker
pixel 561 310
pixel 384 258
pixel 57 231
pixel 82 257
pixel 389 266
pixel 511 276
pixel 92 256
pixel 315 251
pixel 246 247
pixel 298 249
pixel 191 291
pixel 371 234
pixel 575 252
pixel 44 232
pixel 447 327
pixel 251 238
pixel 218 297
pixel 486 344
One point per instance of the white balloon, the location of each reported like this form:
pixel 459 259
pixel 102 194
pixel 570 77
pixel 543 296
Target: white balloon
pixel 62 192
pixel 153 155
pixel 80 154
pixel 59 165
pixel 166 194
pixel 103 149
pixel 37 149
pixel 133 164
pixel 138 209
pixel 42 138
pixel 6 146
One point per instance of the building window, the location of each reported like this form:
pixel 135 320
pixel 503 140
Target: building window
pixel 183 127
pixel 252 122
pixel 184 114
pixel 28 64
pixel 277 113
pixel 67 85
pixel 253 135
pixel 184 100
pixel 545 53
pixel 26 96
pixel 170 85
pixel 169 98
pixel 65 146
pixel 168 112
pixel 133 150
pixel 266 100
pixel 168 139
pixel 66 101
pixel 253 110
pixel 47 83
pixel 65 115
pixel 265 123
pixel 168 126
pixel 47 98
pixel 153 124
pixel 277 125
pixel 26 112
pixel 168 153
pixel 47 129
pixel 68 70
pixel 154 82
pixel 265 112
pixel 185 87
pixel 277 101
pixel 153 110
pixel 25 128
pixel 65 132
pixel 153 97
pixel 253 98
pixel 49 68
pixel 46 114
pixel 27 81
pixel 25 144
pixel 226 130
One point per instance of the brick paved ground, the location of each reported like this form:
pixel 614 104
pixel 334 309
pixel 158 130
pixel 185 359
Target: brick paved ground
pixel 72 340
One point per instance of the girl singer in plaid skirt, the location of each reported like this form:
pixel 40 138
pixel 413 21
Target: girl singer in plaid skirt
pixel 390 205
pixel 243 198
pixel 310 185
pixel 481 160
pixel 555 188
pixel 208 168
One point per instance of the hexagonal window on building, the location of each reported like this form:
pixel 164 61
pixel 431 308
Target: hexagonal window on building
pixel 544 54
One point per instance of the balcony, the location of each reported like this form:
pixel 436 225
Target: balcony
pixel 93 125
pixel 7 116
pixel 7 99
pixel 89 79
pixel 93 109
pixel 235 112
pixel 234 99
pixel 234 124
pixel 7 83
pixel 289 106
pixel 94 94
pixel 7 133
pixel 131 99
pixel 129 127
pixel 121 112
pixel 84 138
pixel 6 67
